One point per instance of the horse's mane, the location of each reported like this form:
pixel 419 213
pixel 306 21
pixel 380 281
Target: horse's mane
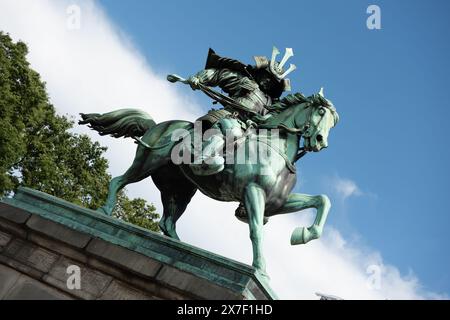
pixel 281 105
pixel 298 98
pixel 287 101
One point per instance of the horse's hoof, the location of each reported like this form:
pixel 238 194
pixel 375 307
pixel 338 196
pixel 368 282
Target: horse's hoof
pixel 102 210
pixel 304 235
pixel 173 235
pixel 298 236
pixel 263 276
pixel 301 235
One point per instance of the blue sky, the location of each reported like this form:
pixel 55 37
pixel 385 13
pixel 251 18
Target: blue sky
pixel 386 167
pixel 388 85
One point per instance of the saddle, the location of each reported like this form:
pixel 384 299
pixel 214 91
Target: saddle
pixel 213 116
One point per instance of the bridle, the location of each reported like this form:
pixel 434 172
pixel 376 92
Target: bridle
pixel 301 132
pixel 302 151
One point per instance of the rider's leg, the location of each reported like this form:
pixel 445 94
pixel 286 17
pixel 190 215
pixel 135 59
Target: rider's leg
pixel 208 160
pixel 231 127
pixel 211 160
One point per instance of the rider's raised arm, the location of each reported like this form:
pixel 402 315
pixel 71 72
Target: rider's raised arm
pixel 207 77
pixel 222 78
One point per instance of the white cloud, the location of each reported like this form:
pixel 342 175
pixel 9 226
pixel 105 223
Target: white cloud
pixel 93 69
pixel 346 188
pixel 97 69
pixel 329 265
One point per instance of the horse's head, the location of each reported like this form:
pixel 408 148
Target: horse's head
pixel 311 117
pixel 315 121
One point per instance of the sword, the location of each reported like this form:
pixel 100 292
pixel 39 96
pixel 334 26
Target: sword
pixel 224 100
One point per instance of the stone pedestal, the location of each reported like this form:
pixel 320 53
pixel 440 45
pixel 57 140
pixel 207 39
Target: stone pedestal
pixel 41 236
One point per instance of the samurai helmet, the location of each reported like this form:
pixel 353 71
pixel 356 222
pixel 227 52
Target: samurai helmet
pixel 275 67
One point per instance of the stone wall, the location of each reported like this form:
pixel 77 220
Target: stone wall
pixel 41 236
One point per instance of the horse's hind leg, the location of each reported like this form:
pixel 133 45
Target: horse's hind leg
pixel 143 165
pixel 115 185
pixel 176 193
pixel 174 206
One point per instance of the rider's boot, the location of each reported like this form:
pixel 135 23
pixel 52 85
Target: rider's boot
pixel 210 160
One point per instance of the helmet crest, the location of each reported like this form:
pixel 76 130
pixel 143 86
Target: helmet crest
pixel 276 68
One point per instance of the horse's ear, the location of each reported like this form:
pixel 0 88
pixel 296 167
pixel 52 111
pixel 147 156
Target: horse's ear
pixel 321 92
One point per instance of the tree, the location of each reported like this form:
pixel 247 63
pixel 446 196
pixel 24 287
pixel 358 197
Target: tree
pixel 136 211
pixel 37 149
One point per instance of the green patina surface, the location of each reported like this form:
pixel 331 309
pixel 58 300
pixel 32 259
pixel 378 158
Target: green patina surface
pixel 181 158
pixel 222 271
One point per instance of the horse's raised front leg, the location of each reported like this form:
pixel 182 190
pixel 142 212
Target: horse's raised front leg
pixel 297 202
pixel 254 201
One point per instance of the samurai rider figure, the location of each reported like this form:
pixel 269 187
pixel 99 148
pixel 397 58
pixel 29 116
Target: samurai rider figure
pixel 251 91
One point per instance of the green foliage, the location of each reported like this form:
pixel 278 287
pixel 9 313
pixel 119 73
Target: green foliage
pixel 136 211
pixel 37 149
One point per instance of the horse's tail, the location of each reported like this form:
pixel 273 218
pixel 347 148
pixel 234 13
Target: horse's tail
pixel 119 123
